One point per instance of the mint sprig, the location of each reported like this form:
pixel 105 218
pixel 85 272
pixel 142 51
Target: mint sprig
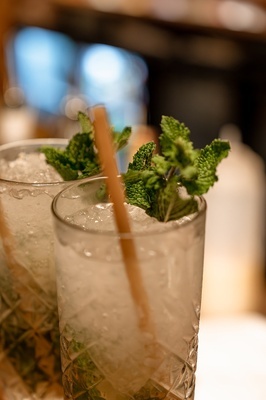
pixel 156 183
pixel 165 184
pixel 80 159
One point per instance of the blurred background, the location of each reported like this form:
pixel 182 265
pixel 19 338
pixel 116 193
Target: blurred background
pixel 200 61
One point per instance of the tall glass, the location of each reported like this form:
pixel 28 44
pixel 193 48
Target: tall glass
pixel 106 352
pixel 29 335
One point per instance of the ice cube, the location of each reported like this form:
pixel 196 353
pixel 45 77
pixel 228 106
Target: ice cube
pixel 29 167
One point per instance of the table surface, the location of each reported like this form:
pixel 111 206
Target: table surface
pixel 232 358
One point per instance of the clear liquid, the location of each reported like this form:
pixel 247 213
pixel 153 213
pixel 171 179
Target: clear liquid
pixel 104 352
pixel 29 335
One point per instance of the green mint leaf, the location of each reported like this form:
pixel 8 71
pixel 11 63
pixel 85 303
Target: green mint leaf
pixel 85 123
pixel 91 169
pixel 161 165
pixel 206 164
pixel 60 161
pixel 174 129
pixel 80 159
pixel 169 204
pixel 121 138
pixel 137 192
pixel 143 157
pixel 175 144
pixel 80 151
pixel 154 182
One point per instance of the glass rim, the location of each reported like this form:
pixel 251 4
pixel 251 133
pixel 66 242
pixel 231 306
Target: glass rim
pixel 33 142
pixel 185 222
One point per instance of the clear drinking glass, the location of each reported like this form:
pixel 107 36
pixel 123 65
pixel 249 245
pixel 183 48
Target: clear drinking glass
pixel 29 334
pixel 106 353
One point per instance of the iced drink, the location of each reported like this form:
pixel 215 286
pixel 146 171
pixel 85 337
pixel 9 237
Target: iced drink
pixel 29 336
pixel 105 352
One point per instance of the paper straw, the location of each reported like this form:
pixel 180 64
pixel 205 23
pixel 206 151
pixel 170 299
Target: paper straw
pixel 104 144
pixel 7 239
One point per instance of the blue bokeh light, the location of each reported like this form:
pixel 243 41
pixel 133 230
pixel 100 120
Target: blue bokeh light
pixel 43 63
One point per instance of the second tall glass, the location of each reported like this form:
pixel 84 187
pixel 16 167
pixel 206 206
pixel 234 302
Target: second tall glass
pixel 106 352
pixel 29 334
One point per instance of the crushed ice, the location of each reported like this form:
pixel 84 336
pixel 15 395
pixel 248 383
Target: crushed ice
pixel 30 168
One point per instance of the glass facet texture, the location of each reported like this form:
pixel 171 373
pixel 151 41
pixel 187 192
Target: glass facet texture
pixel 105 352
pixel 29 334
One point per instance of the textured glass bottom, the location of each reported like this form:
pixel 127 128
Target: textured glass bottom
pixel 83 379
pixel 29 341
pixel 29 334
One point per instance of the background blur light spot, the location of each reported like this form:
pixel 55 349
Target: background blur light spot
pixel 74 104
pixel 14 97
pixel 115 77
pixel 43 61
pixel 52 74
pixel 103 64
pixel 106 5
pixel 240 16
pixel 170 10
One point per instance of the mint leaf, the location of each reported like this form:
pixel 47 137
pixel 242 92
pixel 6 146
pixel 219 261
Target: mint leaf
pixel 60 161
pixel 175 143
pixel 137 192
pixel 121 138
pixel 169 205
pixel 80 151
pixel 206 164
pixel 174 129
pixel 85 123
pixel 154 182
pixel 143 157
pixel 80 159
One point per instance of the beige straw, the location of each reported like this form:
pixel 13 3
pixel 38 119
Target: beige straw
pixel 7 239
pixel 104 144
